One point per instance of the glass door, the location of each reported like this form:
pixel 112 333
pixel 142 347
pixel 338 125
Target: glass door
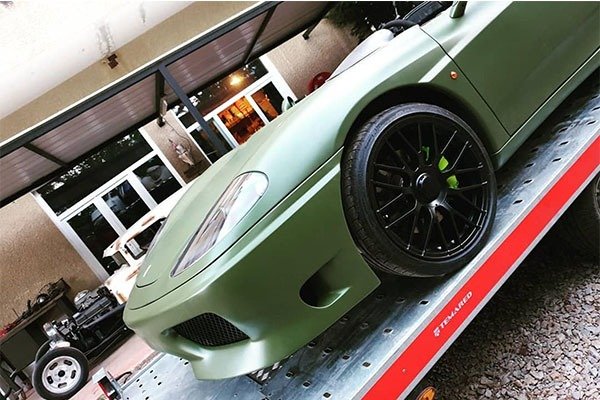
pixel 101 219
pixel 156 179
pixel 108 217
pixel 241 120
pixel 269 101
pixel 206 145
pixel 126 204
pixel 111 213
pixel 96 233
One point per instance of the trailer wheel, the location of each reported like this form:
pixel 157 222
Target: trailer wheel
pixel 579 227
pixel 60 373
pixel 423 391
pixel 418 190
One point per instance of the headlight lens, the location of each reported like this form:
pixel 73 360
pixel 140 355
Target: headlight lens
pixel 237 200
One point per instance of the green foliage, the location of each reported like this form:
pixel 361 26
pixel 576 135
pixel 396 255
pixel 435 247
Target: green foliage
pixel 364 17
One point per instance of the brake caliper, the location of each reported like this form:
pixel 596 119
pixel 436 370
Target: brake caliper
pixel 452 180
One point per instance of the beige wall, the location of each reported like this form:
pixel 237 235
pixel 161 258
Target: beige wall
pixel 299 60
pixel 172 32
pixel 34 252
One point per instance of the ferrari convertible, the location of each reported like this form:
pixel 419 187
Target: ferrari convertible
pixel 388 167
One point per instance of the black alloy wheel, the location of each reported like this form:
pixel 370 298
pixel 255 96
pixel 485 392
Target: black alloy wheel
pixel 419 191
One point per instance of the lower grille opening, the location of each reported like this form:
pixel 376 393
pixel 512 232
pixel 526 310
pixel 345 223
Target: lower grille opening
pixel 210 330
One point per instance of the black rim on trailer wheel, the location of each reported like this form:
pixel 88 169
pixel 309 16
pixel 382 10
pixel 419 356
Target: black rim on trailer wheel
pixel 428 186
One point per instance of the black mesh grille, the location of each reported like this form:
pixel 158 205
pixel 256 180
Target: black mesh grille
pixel 210 330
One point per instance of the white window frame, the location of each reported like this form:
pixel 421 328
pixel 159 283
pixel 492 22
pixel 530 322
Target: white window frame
pixel 272 76
pixel 95 196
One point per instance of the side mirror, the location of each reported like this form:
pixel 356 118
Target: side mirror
pixel 458 9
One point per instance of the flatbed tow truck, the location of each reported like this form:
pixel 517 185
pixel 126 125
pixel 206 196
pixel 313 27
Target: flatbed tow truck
pixel 383 347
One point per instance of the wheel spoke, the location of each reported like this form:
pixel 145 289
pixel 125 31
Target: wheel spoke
pixel 390 168
pixel 408 144
pixel 414 225
pixel 467 170
pixel 459 156
pixel 389 203
pixel 428 235
pixel 455 227
pixel 389 186
pixel 440 231
pixel 466 200
pixel 436 148
pixel 460 215
pixel 448 144
pixel 471 187
pixel 403 216
pixel 398 156
pixel 417 153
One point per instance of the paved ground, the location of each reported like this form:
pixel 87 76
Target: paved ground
pixel 538 338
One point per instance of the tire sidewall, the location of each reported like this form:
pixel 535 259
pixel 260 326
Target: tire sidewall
pixel 46 359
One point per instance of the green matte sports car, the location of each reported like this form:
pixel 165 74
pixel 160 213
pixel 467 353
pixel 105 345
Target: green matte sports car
pixel 389 166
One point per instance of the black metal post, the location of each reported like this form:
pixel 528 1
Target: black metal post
pixel 45 154
pixel 259 32
pixel 311 28
pixel 159 92
pixel 212 136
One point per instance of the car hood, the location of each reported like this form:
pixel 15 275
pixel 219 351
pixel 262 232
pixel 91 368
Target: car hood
pixel 288 150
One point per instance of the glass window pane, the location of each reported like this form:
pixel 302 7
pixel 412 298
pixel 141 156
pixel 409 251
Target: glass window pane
pixel 241 120
pixel 97 234
pixel 208 98
pixel 126 203
pixel 142 240
pixel 186 118
pixel 94 171
pixel 269 100
pixel 157 179
pixel 206 145
pixel 218 93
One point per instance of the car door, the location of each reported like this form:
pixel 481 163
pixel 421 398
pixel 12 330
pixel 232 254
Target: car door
pixel 518 54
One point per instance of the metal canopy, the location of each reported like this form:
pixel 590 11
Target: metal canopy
pixel 41 152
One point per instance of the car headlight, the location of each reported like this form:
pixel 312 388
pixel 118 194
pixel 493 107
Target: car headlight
pixel 237 200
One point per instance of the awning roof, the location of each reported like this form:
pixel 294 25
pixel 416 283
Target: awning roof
pixel 37 154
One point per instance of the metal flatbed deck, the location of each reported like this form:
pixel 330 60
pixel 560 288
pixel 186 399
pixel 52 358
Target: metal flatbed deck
pixel 387 343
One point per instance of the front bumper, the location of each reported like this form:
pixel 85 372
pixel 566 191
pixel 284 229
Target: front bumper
pixel 256 285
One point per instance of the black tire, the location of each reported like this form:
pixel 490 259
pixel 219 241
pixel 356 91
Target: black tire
pixel 392 171
pixel 75 371
pixel 42 350
pixel 579 227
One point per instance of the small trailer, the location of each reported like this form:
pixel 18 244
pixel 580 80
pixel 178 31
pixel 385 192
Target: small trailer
pixel 383 347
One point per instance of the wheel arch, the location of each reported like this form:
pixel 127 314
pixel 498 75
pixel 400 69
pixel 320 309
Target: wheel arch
pixel 422 93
